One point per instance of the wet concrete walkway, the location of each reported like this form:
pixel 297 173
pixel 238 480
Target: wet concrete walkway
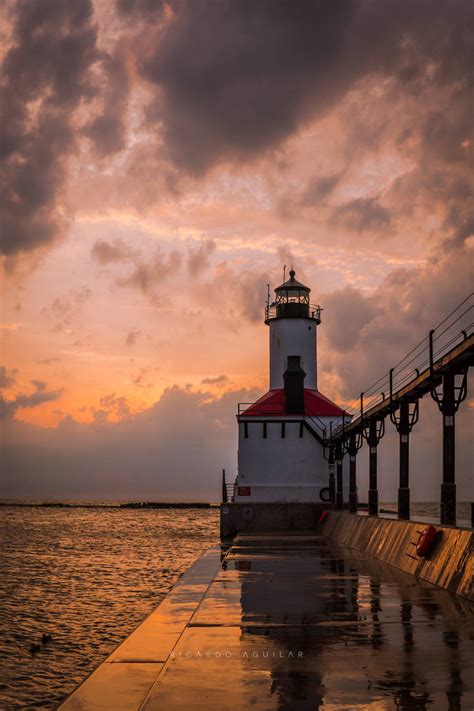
pixel 293 622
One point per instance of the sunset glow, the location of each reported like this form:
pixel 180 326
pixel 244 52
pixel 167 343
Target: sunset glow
pixel 164 161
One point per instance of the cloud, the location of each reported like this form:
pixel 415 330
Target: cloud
pixel 141 7
pixel 49 361
pixel 172 450
pixel 236 78
pixel 7 378
pixel 105 252
pixel 252 291
pixel 132 336
pixel 75 298
pixel 148 271
pixel 108 129
pixel 8 408
pixel 363 214
pixel 112 405
pixel 319 188
pixel 198 258
pixel 46 74
pixel 231 82
pixel 147 275
pixel 363 335
pixel 219 381
pixel 350 312
pixel 357 114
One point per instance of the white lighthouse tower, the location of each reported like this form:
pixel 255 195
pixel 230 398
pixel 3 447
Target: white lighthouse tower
pixel 281 436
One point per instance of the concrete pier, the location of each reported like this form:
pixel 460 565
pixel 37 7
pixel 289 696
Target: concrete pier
pixel 292 621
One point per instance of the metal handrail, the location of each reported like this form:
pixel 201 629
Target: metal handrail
pixel 271 310
pixel 319 425
pixel 271 409
pixel 229 493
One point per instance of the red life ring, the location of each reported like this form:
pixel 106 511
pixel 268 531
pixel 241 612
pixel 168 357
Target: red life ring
pixel 425 541
pixel 323 517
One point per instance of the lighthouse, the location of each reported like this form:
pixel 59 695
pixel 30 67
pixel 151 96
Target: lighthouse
pixel 281 435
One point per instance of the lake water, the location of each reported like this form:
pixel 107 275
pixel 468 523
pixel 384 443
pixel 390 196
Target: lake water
pixel 87 577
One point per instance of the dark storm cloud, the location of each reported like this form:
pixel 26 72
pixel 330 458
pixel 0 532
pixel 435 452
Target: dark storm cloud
pixel 240 77
pixel 45 76
pixel 108 130
pixel 444 156
pixel 362 214
pixel 8 408
pixel 141 7
pixel 236 79
pixel 233 79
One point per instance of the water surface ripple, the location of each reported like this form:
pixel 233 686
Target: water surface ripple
pixel 86 577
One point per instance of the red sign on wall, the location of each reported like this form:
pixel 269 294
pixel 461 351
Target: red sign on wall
pixel 243 491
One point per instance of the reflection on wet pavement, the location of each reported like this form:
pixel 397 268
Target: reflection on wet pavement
pixel 298 622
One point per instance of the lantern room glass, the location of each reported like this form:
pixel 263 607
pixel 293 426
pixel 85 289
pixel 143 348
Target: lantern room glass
pixel 291 295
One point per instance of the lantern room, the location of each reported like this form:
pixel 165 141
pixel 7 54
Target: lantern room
pixel 292 301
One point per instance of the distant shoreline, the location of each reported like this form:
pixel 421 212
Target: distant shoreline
pixel 126 505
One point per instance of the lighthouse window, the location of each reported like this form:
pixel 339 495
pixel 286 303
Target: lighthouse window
pixel 246 430
pixel 264 430
pixel 283 429
pixel 293 296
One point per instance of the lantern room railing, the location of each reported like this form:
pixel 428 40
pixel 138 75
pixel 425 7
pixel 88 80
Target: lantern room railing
pixel 274 310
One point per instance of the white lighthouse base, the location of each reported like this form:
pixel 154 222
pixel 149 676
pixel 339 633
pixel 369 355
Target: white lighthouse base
pixel 281 462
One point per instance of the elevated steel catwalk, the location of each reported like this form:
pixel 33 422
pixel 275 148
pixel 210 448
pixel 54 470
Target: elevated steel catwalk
pixel 437 365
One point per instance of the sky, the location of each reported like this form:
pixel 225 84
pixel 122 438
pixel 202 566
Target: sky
pixel 161 163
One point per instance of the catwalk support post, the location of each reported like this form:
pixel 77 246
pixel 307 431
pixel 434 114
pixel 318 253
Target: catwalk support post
pixel 355 443
pixel 373 431
pixel 454 391
pixel 404 417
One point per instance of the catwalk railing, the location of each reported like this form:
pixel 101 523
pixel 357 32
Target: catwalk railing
pixel 440 360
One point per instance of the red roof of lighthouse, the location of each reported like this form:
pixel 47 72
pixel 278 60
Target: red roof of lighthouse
pixel 273 404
